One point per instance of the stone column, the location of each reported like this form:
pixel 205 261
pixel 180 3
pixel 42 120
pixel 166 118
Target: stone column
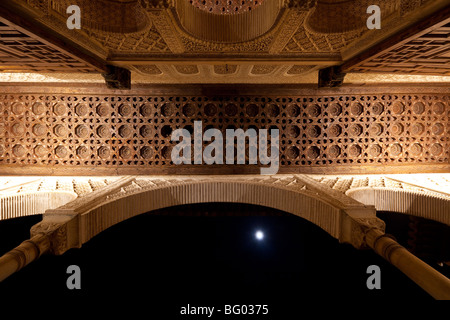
pixel 429 279
pixel 26 252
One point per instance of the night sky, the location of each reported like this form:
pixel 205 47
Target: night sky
pixel 168 261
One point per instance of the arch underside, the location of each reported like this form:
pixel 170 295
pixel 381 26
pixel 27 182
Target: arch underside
pixel 27 204
pixel 73 224
pixel 315 210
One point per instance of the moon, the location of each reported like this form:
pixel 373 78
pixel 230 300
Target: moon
pixel 259 235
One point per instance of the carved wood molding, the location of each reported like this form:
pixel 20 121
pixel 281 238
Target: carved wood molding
pixel 164 22
pixel 293 19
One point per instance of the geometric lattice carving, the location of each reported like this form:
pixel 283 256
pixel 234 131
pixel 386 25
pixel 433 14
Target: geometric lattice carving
pixel 149 40
pixel 21 52
pixel 133 131
pixel 426 53
pixel 306 41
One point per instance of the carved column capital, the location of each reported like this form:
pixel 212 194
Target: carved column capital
pixel 357 229
pixel 60 230
pixel 56 233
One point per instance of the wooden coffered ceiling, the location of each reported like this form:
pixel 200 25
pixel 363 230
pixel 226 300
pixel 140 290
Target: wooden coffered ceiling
pixel 181 41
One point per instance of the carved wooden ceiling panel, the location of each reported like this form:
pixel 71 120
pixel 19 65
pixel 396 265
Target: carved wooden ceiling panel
pixel 425 53
pixel 300 40
pixel 64 131
pixel 20 52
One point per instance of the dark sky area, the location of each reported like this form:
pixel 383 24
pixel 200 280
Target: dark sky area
pixel 168 261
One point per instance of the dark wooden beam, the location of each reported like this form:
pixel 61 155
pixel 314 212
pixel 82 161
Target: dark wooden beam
pixel 331 77
pixel 117 78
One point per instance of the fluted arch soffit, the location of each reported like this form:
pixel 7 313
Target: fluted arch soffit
pixel 225 22
pixel 226 7
pixel 420 195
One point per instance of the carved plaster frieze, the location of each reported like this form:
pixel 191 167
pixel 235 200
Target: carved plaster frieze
pixel 345 184
pixel 165 24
